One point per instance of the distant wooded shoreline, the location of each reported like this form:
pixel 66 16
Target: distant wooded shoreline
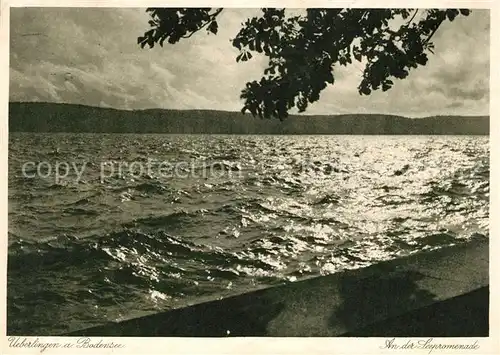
pixel 54 117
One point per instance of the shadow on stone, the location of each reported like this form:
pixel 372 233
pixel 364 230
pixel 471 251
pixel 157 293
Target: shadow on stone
pixel 371 299
pixel 462 316
pixel 236 316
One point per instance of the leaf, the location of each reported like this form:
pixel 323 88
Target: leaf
pixel 465 12
pixel 365 90
pixel 237 43
pixel 329 78
pixel 270 70
pixel 274 39
pixel 421 59
pixel 163 38
pixel 213 27
pixel 451 14
pixel 267 49
pixel 258 44
pixel 386 85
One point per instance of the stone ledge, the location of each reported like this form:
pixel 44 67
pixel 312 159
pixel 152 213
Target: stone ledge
pixel 375 301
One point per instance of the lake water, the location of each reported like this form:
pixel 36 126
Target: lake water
pixel 211 216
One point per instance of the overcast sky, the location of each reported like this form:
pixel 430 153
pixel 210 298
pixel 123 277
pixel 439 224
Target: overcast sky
pixel 90 56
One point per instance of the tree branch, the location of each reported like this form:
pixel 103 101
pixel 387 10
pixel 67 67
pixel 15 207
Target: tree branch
pixel 440 20
pixel 411 20
pixel 212 17
pixel 433 32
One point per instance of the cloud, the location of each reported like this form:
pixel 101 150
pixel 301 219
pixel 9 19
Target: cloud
pixel 455 81
pixel 90 56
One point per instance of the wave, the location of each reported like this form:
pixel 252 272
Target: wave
pixel 74 211
pixel 174 218
pixel 124 246
pixel 153 187
pixel 452 188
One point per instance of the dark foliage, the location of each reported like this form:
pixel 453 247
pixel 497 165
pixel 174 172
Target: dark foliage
pixel 303 50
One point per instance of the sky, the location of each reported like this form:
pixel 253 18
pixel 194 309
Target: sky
pixel 90 56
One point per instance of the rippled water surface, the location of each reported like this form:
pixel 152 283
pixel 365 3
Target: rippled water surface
pixel 248 212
